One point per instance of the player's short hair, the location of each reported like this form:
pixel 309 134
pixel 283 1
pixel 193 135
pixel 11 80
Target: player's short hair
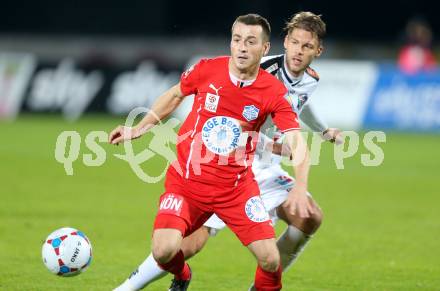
pixel 255 19
pixel 308 21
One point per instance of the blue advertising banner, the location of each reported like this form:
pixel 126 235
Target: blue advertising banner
pixel 404 102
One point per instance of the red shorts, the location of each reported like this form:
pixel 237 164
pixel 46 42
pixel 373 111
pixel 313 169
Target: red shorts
pixel 186 205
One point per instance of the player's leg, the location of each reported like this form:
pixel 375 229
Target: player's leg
pixel 297 234
pixel 168 255
pixel 149 271
pixel 268 273
pixel 194 243
pixel 249 220
pixel 275 185
pixel 178 216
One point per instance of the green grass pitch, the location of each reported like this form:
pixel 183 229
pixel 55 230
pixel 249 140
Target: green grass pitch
pixel 381 229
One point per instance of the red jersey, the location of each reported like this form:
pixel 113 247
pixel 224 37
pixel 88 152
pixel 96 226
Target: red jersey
pixel 218 138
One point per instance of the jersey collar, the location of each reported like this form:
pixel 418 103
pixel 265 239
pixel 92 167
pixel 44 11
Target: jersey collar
pixel 240 83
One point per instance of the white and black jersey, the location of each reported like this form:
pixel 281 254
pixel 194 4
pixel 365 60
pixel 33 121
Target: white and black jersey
pixel 300 90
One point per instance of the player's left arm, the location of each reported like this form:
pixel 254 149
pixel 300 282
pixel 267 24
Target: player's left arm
pixel 316 124
pixel 311 119
pixel 297 202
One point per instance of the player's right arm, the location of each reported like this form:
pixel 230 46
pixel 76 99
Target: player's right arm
pixel 162 107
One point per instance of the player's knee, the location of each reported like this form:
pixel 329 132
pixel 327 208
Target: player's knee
pixel 163 253
pixel 317 217
pixel 310 224
pixel 270 262
pixel 313 222
pixel 166 243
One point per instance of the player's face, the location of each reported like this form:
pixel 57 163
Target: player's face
pixel 302 47
pixel 247 46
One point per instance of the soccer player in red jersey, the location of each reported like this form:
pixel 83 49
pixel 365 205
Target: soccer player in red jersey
pixel 233 98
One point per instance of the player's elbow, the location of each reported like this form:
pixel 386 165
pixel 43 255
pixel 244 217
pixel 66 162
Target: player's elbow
pixel 315 220
pixel 177 92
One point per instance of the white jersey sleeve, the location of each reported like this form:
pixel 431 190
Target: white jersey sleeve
pixel 311 119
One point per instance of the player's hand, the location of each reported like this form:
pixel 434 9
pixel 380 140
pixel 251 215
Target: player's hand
pixel 333 135
pixel 123 133
pixel 298 203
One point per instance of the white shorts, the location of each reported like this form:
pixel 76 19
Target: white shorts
pixel 274 184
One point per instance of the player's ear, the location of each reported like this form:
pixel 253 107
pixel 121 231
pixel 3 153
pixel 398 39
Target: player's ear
pixel 320 50
pixel 286 40
pixel 266 48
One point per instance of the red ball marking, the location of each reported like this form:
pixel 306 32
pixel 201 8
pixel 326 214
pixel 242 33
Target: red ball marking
pixel 60 262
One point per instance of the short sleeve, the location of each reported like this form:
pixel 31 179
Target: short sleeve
pixel 282 113
pixel 190 79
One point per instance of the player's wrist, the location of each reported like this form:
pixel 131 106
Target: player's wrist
pixel 301 186
pixel 136 130
pixel 329 135
pixel 139 130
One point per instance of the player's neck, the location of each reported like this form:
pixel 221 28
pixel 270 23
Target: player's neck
pixel 248 74
pixel 296 75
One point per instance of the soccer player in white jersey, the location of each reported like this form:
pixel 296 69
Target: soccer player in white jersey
pixel 303 43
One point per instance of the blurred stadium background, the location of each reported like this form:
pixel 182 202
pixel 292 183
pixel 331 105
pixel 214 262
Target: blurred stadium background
pixel 82 66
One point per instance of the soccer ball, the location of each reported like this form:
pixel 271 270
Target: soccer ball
pixel 67 252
